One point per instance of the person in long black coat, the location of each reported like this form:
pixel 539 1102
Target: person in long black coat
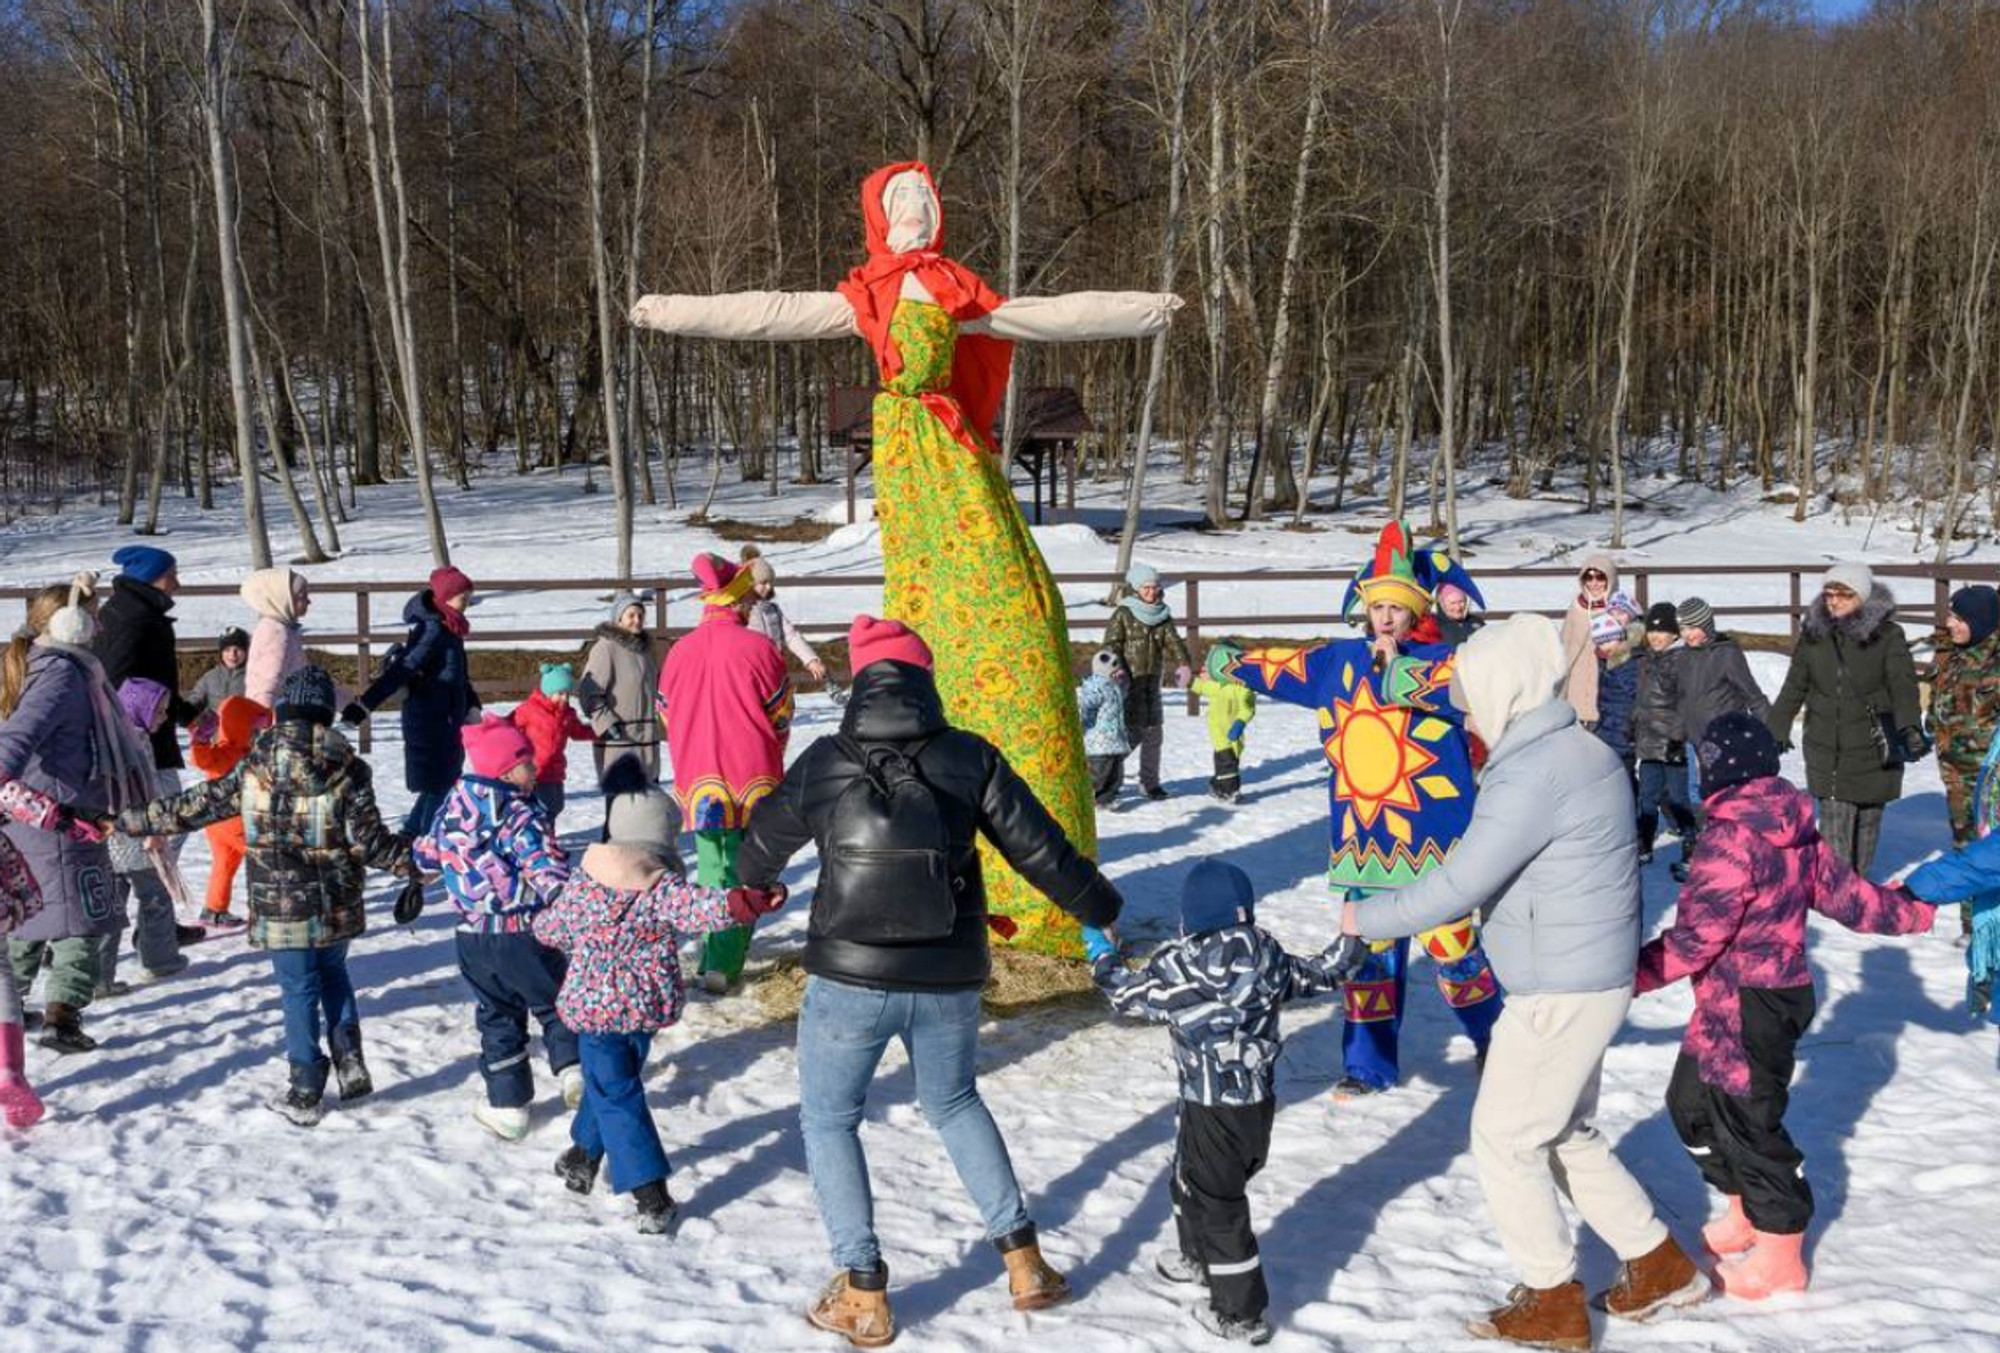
pixel 430 669
pixel 135 638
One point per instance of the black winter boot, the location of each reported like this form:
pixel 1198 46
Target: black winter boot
pixel 301 1104
pixel 577 1169
pixel 352 1071
pixel 657 1210
pixel 62 1029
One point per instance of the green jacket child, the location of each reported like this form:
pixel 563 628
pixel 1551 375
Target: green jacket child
pixel 1231 707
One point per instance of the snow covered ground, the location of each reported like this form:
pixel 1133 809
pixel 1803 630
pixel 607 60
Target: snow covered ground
pixel 161 1207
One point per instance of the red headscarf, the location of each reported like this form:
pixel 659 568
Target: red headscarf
pixel 980 363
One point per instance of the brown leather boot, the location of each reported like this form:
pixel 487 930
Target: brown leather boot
pixel 855 1305
pixel 1656 1282
pixel 1033 1283
pixel 1539 1317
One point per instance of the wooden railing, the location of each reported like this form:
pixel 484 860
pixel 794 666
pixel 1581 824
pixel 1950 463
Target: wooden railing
pixel 1318 592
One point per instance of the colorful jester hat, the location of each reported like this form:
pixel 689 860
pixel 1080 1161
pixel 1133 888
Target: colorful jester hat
pixel 1436 570
pixel 1390 576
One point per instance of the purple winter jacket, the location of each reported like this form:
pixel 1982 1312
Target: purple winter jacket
pixel 1758 868
pixel 48 744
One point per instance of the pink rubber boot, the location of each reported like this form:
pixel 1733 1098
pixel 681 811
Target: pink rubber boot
pixel 1775 1264
pixel 1730 1233
pixel 19 1104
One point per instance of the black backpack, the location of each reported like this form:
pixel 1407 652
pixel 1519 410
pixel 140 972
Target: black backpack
pixel 891 845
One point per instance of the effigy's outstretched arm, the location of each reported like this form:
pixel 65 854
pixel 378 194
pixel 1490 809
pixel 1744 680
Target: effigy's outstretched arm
pixel 1079 316
pixel 750 316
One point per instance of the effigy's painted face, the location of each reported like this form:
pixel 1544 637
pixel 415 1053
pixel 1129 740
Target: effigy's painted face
pixel 912 211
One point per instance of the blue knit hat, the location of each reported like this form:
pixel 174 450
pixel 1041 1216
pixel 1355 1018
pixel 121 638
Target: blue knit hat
pixel 557 679
pixel 143 563
pixel 1142 575
pixel 1216 896
pixel 308 691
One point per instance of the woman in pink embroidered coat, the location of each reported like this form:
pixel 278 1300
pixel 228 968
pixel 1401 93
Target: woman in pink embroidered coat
pixel 1740 933
pixel 728 708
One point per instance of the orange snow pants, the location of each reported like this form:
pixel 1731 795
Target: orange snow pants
pixel 226 845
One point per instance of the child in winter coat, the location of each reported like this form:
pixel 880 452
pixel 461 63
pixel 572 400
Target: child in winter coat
pixel 1218 988
pixel 225 679
pixel 312 828
pixel 1740 934
pixel 501 866
pixel 1617 677
pixel 1100 703
pixel 146 881
pixel 620 918
pixel 551 723
pixel 237 724
pixel 1231 707
pixel 1658 740
pixel 280 597
pixel 769 620
pixel 1142 633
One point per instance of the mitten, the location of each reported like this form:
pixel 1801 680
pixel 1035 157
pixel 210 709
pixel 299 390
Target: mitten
pixel 81 829
pixel 1915 745
pixel 1097 944
pixel 1345 957
pixel 410 902
pixel 1183 675
pixel 203 730
pixel 355 714
pixel 1236 731
pixel 746 905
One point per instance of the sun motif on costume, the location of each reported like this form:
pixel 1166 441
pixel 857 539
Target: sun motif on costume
pixel 1272 663
pixel 1379 761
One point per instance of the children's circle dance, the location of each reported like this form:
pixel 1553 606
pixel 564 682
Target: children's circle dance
pixel 1493 789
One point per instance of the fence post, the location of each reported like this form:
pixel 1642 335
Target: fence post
pixel 660 613
pixel 1792 618
pixel 364 659
pixel 1643 589
pixel 1941 601
pixel 1194 640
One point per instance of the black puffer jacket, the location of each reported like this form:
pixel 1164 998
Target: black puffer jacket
pixel 1657 734
pixel 135 638
pixel 897 705
pixel 1844 673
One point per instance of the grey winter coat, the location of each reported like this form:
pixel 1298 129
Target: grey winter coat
pixel 217 684
pixel 1715 680
pixel 1842 673
pixel 617 694
pixel 47 744
pixel 1550 862
pixel 1657 733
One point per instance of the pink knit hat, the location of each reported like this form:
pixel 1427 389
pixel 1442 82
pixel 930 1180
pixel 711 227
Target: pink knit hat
pixel 871 640
pixel 447 583
pixel 494 747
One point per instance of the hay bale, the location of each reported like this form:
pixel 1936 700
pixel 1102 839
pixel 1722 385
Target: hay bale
pixel 1021 982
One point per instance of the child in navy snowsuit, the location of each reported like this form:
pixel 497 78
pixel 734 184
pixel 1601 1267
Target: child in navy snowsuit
pixel 1218 989
pixel 502 865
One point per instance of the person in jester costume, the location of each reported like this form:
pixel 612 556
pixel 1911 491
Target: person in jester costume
pixel 1400 789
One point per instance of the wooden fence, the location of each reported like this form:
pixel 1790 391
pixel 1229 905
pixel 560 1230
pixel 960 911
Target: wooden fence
pixel 1309 600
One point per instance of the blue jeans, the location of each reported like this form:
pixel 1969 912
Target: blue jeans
pixel 312 982
pixel 613 1122
pixel 843 1032
pixel 512 978
pixel 1663 785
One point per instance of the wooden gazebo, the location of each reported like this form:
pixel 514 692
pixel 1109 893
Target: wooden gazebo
pixel 1051 417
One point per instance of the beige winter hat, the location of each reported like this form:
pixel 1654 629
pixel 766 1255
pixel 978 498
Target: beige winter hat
pixel 272 592
pixel 1505 670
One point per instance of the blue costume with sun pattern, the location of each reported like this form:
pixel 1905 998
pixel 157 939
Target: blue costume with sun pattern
pixel 1400 788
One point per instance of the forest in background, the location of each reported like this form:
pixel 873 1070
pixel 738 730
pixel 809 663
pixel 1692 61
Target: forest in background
pixel 309 245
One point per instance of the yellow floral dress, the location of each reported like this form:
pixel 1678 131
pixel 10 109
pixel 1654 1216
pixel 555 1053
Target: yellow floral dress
pixel 962 570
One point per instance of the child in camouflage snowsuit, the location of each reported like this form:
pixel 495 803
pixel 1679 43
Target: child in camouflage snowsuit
pixel 312 831
pixel 1231 707
pixel 1218 989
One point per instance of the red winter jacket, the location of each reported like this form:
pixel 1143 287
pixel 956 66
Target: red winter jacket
pixel 550 727
pixel 1759 867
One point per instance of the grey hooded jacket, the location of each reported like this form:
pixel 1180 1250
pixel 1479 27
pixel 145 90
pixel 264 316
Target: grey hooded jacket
pixel 1550 863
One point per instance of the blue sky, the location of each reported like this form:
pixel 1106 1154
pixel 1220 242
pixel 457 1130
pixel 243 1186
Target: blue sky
pixel 1836 9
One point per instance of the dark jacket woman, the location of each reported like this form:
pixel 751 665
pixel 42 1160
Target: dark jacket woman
pixel 430 668
pixel 1843 673
pixel 135 638
pixel 896 705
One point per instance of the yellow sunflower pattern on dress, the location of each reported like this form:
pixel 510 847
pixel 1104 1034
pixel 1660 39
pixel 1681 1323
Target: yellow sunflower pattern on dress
pixel 962 570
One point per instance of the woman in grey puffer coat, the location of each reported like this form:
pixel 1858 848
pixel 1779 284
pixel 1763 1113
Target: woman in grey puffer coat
pixel 1550 862
pixel 617 694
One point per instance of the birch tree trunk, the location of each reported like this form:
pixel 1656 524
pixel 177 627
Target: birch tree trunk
pixel 214 109
pixel 1448 12
pixel 585 18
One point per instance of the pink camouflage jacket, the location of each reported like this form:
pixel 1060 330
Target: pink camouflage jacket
pixel 620 919
pixel 1759 867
